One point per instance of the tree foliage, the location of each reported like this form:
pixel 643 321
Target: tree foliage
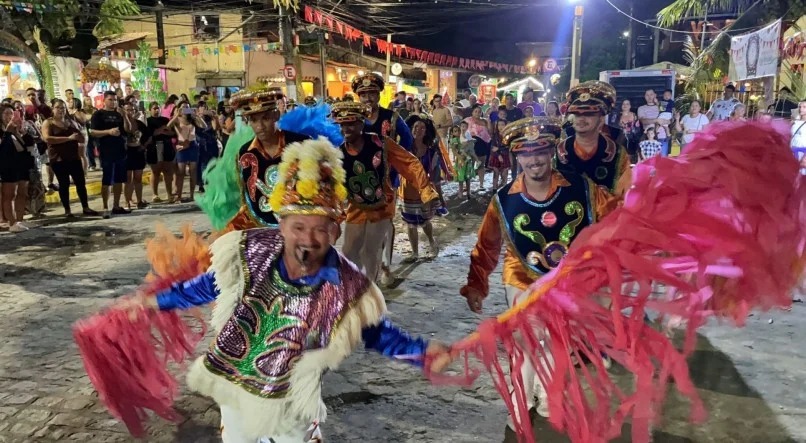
pixel 111 14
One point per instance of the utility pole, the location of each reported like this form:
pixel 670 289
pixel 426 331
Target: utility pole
pixel 655 45
pixel 388 58
pixel 323 63
pixel 630 37
pixel 160 32
pixel 286 38
pixel 576 56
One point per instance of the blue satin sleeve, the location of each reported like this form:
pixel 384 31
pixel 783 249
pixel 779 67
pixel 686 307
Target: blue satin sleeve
pixel 195 292
pixel 402 131
pixel 387 339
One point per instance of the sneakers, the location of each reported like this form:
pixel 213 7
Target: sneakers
pixel 142 205
pixel 106 214
pixel 434 249
pixel 386 277
pixel 411 258
pixel 120 211
pixel 17 228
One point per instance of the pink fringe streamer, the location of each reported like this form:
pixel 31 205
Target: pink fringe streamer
pixel 722 227
pixel 126 355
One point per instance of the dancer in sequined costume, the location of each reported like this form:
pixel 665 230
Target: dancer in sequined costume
pixel 385 123
pixel 368 162
pixel 588 152
pixel 288 308
pixel 537 215
pixel 238 195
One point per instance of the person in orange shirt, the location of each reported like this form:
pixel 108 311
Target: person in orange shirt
pixel 588 152
pixel 368 162
pixel 537 216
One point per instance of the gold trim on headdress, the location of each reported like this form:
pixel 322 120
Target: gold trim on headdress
pixel 256 99
pixel 310 180
pixel 591 97
pixel 370 82
pixel 532 134
pixel 347 112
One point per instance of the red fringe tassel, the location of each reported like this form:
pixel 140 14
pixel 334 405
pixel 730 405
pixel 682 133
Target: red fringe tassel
pixel 126 354
pixel 722 227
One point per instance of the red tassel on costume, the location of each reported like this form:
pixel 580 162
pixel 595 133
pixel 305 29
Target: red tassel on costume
pixel 126 355
pixel 722 227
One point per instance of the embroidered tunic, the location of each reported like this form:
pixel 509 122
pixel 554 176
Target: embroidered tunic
pixel 605 166
pixel 536 233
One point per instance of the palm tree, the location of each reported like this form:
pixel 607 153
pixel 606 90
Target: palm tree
pixel 680 9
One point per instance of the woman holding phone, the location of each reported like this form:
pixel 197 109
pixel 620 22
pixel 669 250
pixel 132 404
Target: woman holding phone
pixel 185 123
pixel 16 163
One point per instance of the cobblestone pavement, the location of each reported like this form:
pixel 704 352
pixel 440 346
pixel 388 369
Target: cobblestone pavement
pixel 751 379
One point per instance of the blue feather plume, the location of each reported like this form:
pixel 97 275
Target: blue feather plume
pixel 313 122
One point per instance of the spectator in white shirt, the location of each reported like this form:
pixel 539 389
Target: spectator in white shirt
pixel 721 109
pixel 650 116
pixel 691 123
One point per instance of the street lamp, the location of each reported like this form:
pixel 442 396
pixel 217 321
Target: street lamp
pixel 625 34
pixel 532 63
pixel 576 47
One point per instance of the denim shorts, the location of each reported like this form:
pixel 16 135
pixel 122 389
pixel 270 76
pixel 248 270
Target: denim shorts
pixel 113 171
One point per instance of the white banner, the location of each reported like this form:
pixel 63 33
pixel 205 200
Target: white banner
pixel 755 55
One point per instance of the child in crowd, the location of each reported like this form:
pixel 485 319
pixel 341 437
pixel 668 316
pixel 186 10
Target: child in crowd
pixel 528 112
pixel 649 146
pixel 502 113
pixel 464 163
pixel 499 155
pixel 667 104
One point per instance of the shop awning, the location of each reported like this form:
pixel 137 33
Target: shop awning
pixel 129 40
pixel 280 79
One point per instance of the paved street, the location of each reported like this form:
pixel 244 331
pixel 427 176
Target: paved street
pixel 58 272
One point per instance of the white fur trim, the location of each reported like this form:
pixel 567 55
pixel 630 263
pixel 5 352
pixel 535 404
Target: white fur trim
pixel 263 417
pixel 229 278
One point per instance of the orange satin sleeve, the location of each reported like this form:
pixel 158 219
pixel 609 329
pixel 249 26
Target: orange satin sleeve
pixel 625 175
pixel 484 257
pixel 410 168
pixel 602 201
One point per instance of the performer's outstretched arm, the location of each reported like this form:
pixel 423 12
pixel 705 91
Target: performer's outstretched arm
pixel 195 292
pixel 484 257
pixel 402 131
pixel 389 340
pixel 407 165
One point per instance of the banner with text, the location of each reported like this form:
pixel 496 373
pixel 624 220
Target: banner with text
pixel 755 55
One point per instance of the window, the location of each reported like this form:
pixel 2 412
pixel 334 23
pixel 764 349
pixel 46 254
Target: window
pixel 206 27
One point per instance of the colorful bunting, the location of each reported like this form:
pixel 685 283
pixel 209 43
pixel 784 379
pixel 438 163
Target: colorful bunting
pixel 312 15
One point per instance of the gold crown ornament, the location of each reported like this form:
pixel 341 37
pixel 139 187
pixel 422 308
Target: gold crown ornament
pixel 532 134
pixel 348 112
pixel 310 101
pixel 592 97
pixel 257 99
pixel 370 82
pixel 310 180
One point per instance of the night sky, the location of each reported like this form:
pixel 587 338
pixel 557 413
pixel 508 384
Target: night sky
pixel 493 36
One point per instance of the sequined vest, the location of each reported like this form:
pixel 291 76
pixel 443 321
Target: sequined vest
pixel 259 175
pixel 367 172
pixel 540 232
pixel 384 127
pixel 275 322
pixel 602 168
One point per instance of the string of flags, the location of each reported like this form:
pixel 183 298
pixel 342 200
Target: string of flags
pixel 196 50
pixel 314 16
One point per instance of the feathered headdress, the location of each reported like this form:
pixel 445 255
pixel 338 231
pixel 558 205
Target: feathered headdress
pixel 310 180
pixel 312 122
